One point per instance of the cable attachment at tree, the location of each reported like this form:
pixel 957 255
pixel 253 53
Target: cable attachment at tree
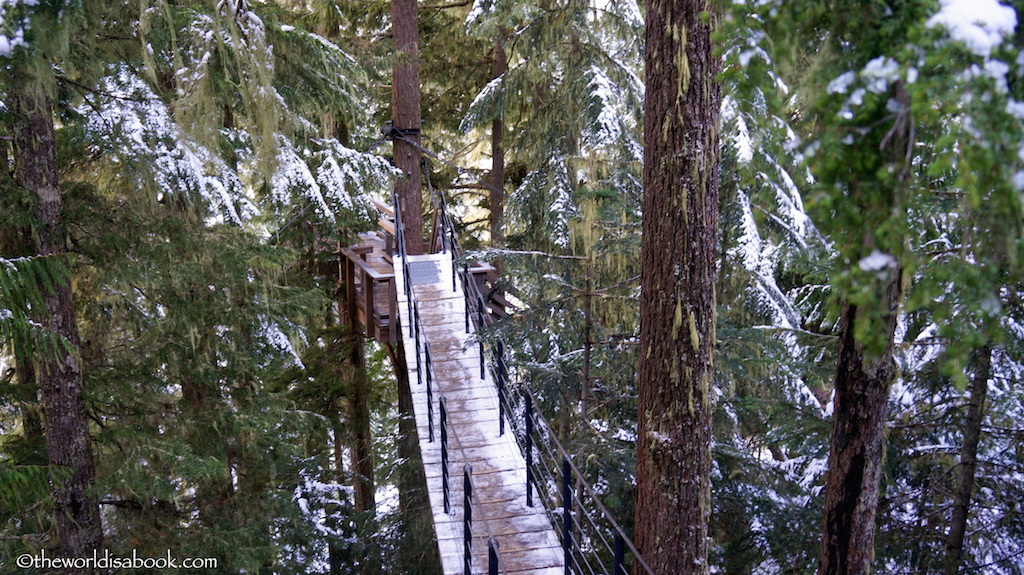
pixel 388 130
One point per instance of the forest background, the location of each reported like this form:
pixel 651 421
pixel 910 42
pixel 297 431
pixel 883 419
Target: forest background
pixel 208 158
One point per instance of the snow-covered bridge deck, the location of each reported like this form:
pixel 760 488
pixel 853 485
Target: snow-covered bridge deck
pixel 527 544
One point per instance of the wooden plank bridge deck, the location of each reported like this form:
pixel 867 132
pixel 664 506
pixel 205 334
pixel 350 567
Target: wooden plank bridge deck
pixel 527 544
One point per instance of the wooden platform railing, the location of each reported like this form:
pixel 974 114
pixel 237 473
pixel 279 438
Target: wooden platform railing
pixel 485 278
pixel 371 294
pixel 379 314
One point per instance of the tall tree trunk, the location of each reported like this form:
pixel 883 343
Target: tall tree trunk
pixel 677 303
pixel 497 176
pixel 68 444
pixel 968 461
pixel 358 393
pixel 360 433
pixel 405 112
pixel 858 436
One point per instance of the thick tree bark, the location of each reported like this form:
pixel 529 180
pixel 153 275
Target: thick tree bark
pixel 858 436
pixel 68 444
pixel 677 305
pixel 25 375
pixel 497 176
pixel 866 368
pixel 405 112
pixel 968 461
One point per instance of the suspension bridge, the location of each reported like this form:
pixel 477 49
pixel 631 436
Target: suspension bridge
pixel 505 495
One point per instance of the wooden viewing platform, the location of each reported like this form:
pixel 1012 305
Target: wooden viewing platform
pixel 369 268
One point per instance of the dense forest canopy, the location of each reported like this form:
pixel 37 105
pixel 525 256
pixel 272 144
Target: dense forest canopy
pixel 176 179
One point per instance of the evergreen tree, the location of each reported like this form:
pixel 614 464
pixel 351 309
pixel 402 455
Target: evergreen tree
pixel 677 306
pixel 184 315
pixel 888 59
pixel 774 343
pixel 29 81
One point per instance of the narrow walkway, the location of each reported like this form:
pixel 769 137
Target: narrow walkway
pixel 527 543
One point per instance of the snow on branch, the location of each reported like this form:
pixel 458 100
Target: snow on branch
pixel 980 24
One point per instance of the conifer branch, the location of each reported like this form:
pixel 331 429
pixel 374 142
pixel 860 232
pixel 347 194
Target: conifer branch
pixel 507 252
pixel 794 330
pixel 91 90
pixel 446 5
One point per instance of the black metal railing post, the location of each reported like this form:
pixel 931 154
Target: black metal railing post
pixel 467 519
pixel 529 450
pixel 499 368
pixel 416 326
pixel 443 235
pixel 620 554
pixel 408 290
pixel 479 308
pixel 444 455
pixel 492 557
pixel 400 238
pixel 479 328
pixel 567 514
pixel 430 394
pixel 500 358
pixel 465 292
pixel 501 404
